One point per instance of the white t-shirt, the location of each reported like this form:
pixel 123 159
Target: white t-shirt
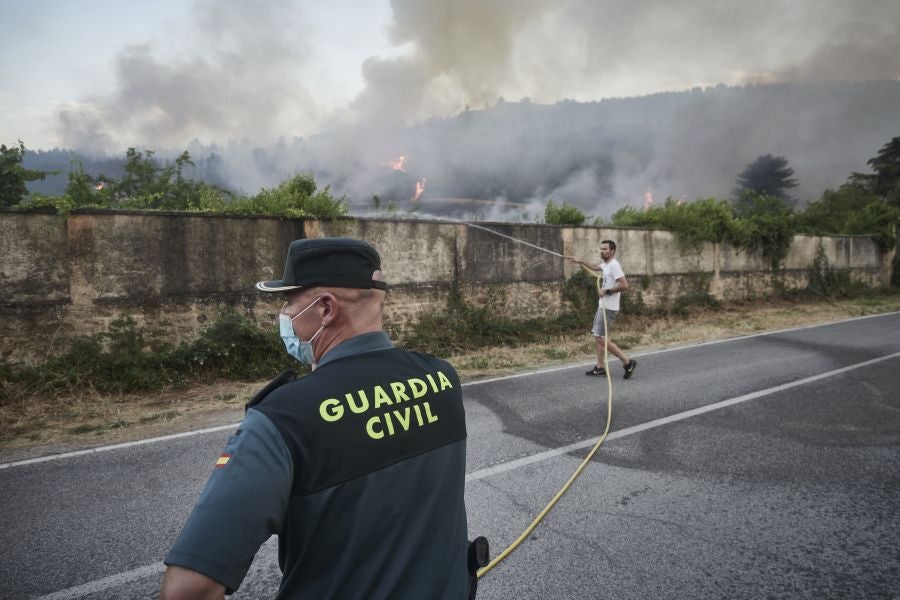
pixel 612 271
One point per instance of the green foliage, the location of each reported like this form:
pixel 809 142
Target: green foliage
pixel 885 181
pixel 767 176
pixel 84 190
pixel 132 358
pixel 464 326
pixel 828 282
pixel 852 209
pixel 704 220
pixel 764 222
pixel 40 202
pixel 149 185
pixel 234 348
pixel 580 291
pixel 630 216
pixel 831 212
pixel 13 176
pixel 296 197
pixel 868 204
pixel 751 203
pixel 696 295
pixel 760 217
pixel 564 214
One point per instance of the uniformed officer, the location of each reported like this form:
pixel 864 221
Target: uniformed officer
pixel 358 467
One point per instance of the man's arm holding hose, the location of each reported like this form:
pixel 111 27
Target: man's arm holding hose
pixel 587 265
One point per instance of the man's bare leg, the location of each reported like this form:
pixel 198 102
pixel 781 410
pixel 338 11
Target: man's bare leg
pixel 612 348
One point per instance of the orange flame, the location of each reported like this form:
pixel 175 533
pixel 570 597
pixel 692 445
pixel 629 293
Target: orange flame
pixel 648 198
pixel 398 164
pixel 420 189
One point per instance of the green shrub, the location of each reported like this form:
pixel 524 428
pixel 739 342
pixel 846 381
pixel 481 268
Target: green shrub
pixel 296 197
pixel 463 327
pixel 564 214
pixel 580 291
pixel 827 282
pixel 234 348
pixel 130 358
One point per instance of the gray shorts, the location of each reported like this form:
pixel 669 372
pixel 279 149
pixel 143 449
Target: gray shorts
pixel 598 330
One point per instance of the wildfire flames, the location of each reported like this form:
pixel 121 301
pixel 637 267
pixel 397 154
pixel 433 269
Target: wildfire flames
pixel 648 199
pixel 399 164
pixel 420 189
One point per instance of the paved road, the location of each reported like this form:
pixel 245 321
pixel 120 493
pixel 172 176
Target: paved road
pixel 761 467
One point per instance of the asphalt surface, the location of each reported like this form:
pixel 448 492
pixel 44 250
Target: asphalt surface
pixel 759 467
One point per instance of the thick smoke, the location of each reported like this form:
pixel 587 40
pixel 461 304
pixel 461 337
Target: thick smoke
pixel 237 78
pixel 239 88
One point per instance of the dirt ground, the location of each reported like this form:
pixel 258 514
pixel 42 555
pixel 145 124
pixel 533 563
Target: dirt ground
pixel 39 428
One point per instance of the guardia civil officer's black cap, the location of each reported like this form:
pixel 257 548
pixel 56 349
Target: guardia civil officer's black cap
pixel 327 262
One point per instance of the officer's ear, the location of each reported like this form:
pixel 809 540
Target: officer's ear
pixel 330 307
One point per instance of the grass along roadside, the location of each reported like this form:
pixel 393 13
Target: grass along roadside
pixel 41 426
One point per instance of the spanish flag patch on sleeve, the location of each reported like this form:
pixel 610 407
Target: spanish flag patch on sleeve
pixel 223 460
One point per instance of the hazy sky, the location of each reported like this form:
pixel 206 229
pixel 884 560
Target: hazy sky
pixel 108 74
pixel 67 55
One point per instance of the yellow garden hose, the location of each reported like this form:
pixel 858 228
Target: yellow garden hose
pixel 482 571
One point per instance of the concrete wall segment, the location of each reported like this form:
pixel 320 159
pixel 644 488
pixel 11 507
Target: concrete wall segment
pixel 34 259
pixel 61 276
pixel 490 258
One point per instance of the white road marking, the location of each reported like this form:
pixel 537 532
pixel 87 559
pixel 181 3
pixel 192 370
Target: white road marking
pixel 41 459
pixel 164 438
pixel 113 581
pixel 142 572
pixel 541 456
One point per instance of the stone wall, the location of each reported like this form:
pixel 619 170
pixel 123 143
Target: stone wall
pixel 63 276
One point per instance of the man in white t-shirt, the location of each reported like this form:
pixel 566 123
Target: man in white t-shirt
pixel 611 288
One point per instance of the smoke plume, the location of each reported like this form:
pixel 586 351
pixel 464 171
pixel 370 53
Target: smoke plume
pixel 498 100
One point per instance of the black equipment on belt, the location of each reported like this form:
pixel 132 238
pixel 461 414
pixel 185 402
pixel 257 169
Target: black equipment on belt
pixel 479 556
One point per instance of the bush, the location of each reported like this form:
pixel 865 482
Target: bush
pixel 827 282
pixel 296 197
pixel 463 327
pixel 234 348
pixel 129 358
pixel 852 209
pixel 564 214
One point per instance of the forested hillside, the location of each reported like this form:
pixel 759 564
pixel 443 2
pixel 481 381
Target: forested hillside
pixel 596 155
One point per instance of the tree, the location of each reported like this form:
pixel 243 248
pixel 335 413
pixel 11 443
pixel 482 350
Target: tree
pixel 767 176
pixel 885 182
pixel 147 185
pixel 81 189
pixel 13 176
pixel 764 222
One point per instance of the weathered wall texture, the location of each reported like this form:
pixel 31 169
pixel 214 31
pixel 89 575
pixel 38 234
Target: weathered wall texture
pixel 63 276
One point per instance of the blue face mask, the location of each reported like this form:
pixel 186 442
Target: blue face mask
pixel 302 351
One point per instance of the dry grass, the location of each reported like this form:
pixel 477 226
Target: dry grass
pixel 46 425
pixel 641 334
pixel 89 418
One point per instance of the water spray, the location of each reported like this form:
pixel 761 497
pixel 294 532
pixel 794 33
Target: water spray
pixel 503 235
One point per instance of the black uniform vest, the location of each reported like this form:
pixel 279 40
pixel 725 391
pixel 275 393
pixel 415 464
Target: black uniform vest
pixel 377 510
